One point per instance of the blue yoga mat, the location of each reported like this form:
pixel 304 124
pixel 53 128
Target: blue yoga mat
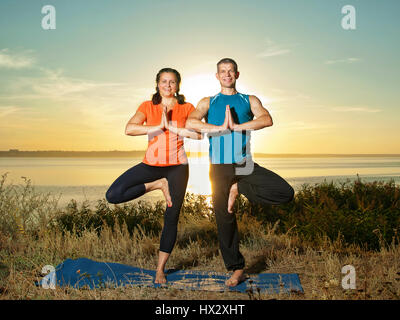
pixel 86 273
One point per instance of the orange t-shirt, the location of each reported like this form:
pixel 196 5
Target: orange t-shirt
pixel 166 148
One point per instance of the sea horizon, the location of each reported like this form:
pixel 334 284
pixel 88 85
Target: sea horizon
pixel 88 178
pixel 128 153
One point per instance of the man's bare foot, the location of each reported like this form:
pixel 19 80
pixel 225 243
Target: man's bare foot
pixel 160 277
pixel 233 193
pixel 237 277
pixel 165 189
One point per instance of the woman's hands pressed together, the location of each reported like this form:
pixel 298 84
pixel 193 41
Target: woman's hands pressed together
pixel 165 124
pixel 164 118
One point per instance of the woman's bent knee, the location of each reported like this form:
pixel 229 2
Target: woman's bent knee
pixel 112 197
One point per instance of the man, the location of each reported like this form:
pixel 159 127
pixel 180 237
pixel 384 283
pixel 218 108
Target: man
pixel 229 119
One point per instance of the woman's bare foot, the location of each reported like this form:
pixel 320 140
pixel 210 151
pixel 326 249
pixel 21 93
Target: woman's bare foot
pixel 161 184
pixel 237 277
pixel 165 190
pixel 162 260
pixel 233 193
pixel 160 277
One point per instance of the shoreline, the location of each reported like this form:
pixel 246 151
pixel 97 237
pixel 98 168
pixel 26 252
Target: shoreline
pixel 140 153
pixel 93 193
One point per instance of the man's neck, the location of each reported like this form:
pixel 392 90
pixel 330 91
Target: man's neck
pixel 228 91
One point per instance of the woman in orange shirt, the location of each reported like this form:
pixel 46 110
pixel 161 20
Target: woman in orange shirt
pixel 165 165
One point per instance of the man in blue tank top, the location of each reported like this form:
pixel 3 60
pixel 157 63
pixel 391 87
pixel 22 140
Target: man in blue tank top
pixel 229 119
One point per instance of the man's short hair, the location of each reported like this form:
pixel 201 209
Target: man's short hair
pixel 228 60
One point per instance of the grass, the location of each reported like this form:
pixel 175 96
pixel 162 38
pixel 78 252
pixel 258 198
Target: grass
pixel 326 227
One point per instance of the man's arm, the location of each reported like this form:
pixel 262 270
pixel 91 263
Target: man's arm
pixel 183 132
pixel 262 117
pixel 194 120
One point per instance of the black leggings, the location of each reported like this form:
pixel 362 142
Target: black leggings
pixel 261 186
pixel 130 185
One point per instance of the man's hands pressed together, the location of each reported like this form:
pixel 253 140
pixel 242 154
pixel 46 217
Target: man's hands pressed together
pixel 229 123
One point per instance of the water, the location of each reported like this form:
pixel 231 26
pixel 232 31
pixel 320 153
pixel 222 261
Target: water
pixel 89 178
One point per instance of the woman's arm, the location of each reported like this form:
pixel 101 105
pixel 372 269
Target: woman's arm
pixel 135 126
pixel 183 132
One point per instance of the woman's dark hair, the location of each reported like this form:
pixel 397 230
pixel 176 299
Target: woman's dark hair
pixel 156 99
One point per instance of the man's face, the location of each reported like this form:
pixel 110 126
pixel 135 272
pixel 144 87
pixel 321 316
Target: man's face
pixel 227 75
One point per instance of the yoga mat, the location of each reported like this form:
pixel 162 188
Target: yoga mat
pixel 90 274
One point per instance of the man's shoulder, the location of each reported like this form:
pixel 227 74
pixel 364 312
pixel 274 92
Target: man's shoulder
pixel 204 102
pixel 254 99
pixel 244 96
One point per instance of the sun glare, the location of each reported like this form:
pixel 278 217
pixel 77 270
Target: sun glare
pixel 198 86
pixel 199 181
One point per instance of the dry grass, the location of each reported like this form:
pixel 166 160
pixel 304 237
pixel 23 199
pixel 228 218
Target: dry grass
pixel 319 268
pixel 26 247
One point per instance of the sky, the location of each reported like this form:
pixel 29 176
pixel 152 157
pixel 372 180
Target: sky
pixel 328 89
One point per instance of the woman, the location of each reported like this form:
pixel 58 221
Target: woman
pixel 164 166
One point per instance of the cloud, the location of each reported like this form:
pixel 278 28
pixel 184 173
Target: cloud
pixel 54 85
pixel 17 117
pixel 301 125
pixel 84 102
pixel 6 110
pixel 272 50
pixel 356 109
pixel 276 95
pixel 347 60
pixel 15 61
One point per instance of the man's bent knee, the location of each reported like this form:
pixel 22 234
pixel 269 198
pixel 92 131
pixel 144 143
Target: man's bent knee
pixel 290 195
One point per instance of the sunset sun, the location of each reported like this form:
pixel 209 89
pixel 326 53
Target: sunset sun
pixel 197 86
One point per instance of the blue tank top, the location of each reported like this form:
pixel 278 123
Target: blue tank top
pixel 231 147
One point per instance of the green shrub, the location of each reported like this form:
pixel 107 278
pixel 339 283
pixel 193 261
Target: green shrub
pixel 366 214
pixel 142 214
pixel 22 209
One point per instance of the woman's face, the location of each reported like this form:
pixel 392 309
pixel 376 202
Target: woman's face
pixel 168 84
